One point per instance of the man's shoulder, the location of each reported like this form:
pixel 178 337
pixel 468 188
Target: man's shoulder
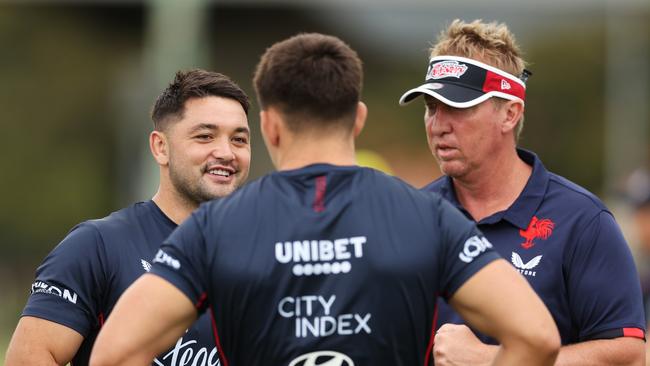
pixel 118 220
pixel 382 183
pixel 572 194
pixel 112 228
pixel 91 229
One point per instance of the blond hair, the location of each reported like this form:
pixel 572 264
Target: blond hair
pixel 490 43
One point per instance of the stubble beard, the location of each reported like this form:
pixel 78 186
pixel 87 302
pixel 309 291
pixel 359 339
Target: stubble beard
pixel 452 168
pixel 196 190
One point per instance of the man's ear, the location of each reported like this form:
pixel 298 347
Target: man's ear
pixel 360 119
pixel 270 126
pixel 513 112
pixel 159 147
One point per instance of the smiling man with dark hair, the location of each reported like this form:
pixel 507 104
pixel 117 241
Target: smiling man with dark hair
pixel 201 144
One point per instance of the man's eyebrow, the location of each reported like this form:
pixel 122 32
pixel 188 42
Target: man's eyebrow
pixel 242 130
pixel 214 127
pixel 204 126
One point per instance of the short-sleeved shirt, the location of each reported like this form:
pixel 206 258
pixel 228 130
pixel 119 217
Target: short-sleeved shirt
pixel 568 246
pixel 79 282
pixel 323 263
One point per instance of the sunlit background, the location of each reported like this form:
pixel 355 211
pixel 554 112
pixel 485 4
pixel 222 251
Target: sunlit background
pixel 77 80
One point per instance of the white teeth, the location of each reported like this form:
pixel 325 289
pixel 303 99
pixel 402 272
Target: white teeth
pixel 221 172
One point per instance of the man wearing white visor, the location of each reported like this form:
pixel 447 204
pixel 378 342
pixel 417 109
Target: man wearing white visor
pixel 558 235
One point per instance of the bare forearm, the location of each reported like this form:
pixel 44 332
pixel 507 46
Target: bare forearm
pixel 614 352
pixel 138 359
pixel 514 356
pixel 484 354
pixel 606 352
pixel 41 342
pixel 521 356
pixel 16 357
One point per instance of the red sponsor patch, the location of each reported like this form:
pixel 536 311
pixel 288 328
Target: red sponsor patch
pixel 445 69
pixel 537 228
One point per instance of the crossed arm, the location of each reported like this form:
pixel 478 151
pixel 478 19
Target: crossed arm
pixel 457 345
pixel 496 301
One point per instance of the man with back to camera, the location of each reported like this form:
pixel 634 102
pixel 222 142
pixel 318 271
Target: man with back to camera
pixel 201 144
pixel 323 261
pixel 559 236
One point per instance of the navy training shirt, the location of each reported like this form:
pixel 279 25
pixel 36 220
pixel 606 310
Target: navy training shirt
pixel 568 246
pixel 323 263
pixel 79 282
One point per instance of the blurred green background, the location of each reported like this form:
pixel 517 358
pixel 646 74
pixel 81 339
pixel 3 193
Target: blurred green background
pixel 77 80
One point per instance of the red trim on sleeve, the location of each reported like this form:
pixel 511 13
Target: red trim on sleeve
pixel 222 355
pixel 633 332
pixel 101 319
pixel 427 356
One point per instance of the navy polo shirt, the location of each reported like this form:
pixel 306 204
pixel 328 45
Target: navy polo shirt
pixel 79 282
pixel 324 264
pixel 568 246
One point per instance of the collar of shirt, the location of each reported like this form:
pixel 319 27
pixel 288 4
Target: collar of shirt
pixel 522 210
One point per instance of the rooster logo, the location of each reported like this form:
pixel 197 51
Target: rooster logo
pixel 536 229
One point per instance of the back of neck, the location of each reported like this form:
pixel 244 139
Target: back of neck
pixel 300 153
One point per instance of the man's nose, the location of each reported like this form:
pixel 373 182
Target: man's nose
pixel 222 150
pixel 439 123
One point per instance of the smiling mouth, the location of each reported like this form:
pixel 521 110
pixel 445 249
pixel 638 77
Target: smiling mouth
pixel 220 172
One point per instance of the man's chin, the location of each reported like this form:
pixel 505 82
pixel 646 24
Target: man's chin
pixel 220 191
pixel 452 169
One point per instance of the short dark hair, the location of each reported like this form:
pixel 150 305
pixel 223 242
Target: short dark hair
pixel 310 77
pixel 190 84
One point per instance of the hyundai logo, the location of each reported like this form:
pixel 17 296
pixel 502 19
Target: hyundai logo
pixel 322 358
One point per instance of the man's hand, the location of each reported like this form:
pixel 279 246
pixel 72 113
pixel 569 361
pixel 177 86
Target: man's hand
pixel 457 345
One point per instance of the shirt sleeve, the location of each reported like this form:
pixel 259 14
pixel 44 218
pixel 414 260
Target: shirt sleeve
pixel 181 260
pixel 603 285
pixel 464 249
pixel 68 285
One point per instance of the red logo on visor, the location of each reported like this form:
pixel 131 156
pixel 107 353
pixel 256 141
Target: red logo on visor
pixel 445 69
pixel 536 229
